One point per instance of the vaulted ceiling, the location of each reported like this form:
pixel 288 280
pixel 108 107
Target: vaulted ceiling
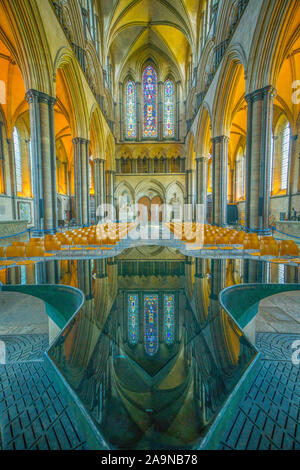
pixel 166 30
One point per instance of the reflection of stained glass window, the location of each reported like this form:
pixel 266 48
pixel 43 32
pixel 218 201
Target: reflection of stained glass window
pixel 133 319
pixel 151 324
pixel 169 109
pixel 150 102
pixel 130 110
pixel 169 319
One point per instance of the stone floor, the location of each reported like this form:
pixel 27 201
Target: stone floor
pixel 33 414
pixel 269 414
pixel 22 314
pixel 279 313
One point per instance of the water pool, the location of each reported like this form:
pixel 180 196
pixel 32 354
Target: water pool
pixel 150 360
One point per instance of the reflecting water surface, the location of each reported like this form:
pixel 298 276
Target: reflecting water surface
pixel 151 355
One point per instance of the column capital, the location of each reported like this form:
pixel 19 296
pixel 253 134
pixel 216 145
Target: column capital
pixel 98 159
pixel 219 139
pixel 259 95
pixel 40 97
pixel 202 158
pixel 80 140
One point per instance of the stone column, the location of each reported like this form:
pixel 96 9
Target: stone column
pixel 190 194
pixel 258 158
pixel 220 167
pixel 201 182
pixel 41 109
pixel 97 183
pixel 81 162
pixel 110 186
pixel 134 166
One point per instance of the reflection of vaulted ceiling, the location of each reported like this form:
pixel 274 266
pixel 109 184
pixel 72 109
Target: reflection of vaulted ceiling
pixel 164 28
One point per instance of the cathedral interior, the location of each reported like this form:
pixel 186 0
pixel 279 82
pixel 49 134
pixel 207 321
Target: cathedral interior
pixel 112 342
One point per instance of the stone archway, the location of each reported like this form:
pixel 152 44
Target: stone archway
pixel 156 202
pixel 146 202
pixel 152 208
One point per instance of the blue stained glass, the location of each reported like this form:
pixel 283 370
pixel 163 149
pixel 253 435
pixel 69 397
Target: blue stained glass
pixel 151 324
pixel 150 102
pixel 130 110
pixel 133 319
pixel 169 319
pixel 169 129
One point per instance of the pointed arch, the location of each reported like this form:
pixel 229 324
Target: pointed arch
pixel 150 105
pixel 169 109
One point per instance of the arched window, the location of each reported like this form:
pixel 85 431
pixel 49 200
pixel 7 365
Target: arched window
pixel 18 159
pixel 2 173
pixel 90 172
pixel 151 324
pixel 169 108
pixel 150 103
pixel 285 153
pixel 271 165
pixel 133 319
pixel 130 110
pixel 240 175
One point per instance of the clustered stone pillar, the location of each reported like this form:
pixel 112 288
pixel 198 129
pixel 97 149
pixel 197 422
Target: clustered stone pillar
pixel 220 167
pixel 190 193
pixel 201 182
pixel 41 109
pixel 99 183
pixel 258 158
pixel 81 180
pixel 110 186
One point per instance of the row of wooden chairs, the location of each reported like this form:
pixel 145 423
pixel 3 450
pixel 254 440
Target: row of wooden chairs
pixel 209 235
pixel 108 234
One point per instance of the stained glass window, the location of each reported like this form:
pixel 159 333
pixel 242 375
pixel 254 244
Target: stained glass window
pixel 18 159
pixel 130 110
pixel 169 129
pixel 169 319
pixel 151 324
pixel 285 151
pixel 133 319
pixel 150 102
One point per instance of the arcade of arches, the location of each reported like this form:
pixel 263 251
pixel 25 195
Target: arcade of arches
pixel 149 101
